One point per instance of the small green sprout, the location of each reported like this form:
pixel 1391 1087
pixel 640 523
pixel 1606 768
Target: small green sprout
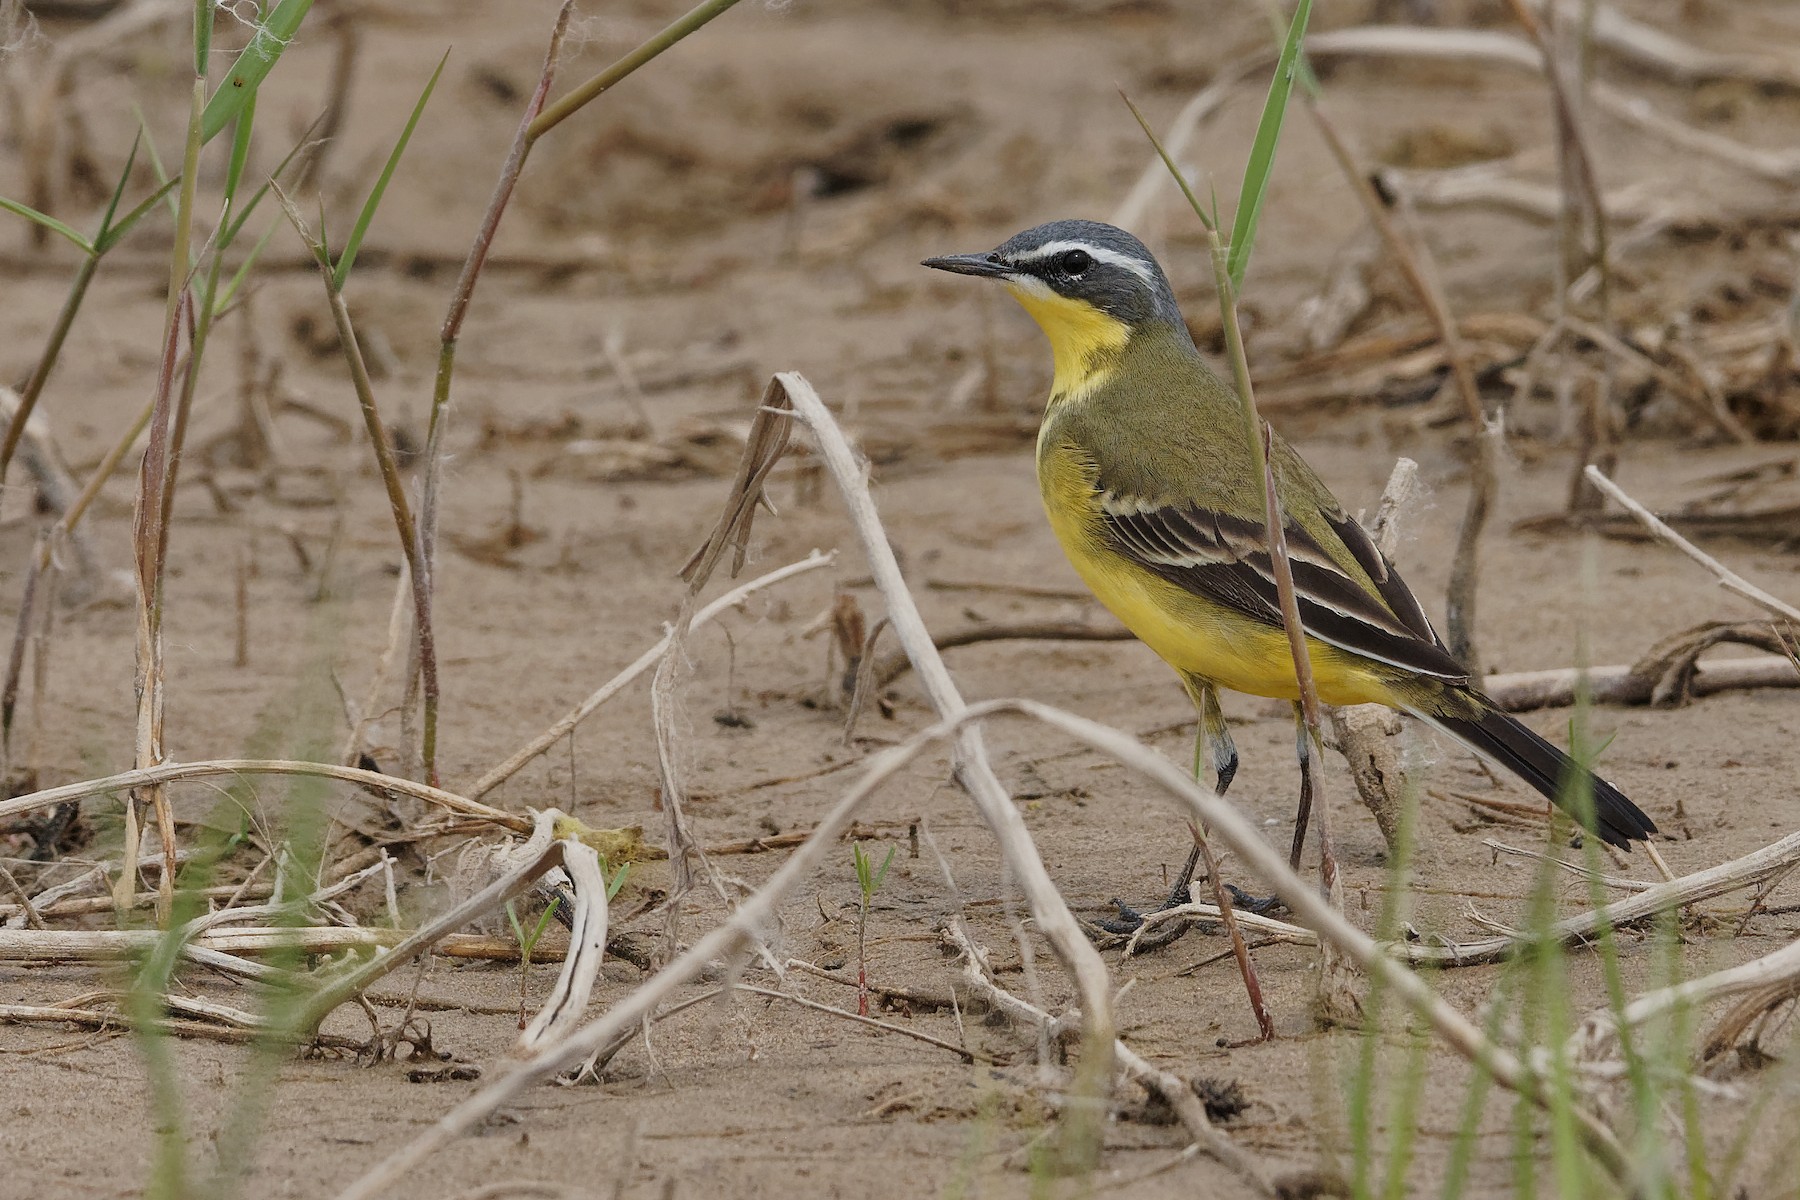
pixel 528 942
pixel 869 879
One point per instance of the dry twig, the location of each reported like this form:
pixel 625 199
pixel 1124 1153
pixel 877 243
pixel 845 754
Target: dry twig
pixel 1730 580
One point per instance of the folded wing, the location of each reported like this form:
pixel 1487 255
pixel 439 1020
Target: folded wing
pixel 1225 559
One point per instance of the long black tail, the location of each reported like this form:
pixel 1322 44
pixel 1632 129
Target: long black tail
pixel 1617 821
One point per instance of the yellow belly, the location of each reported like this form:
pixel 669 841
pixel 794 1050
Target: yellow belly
pixel 1196 637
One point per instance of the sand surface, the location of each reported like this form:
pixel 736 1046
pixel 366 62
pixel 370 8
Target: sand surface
pixel 758 201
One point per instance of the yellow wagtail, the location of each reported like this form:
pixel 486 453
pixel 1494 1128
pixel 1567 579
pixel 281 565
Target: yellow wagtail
pixel 1152 490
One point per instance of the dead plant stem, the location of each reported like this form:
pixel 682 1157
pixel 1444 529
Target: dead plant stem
pixel 403 518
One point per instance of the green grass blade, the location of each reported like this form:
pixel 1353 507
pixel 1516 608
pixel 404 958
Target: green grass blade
pixel 1303 72
pixel 245 211
pixel 1181 182
pixel 1262 151
pixel 156 163
pixel 272 37
pixel 115 233
pixel 224 298
pixel 234 169
pixel 48 222
pixel 112 206
pixel 347 259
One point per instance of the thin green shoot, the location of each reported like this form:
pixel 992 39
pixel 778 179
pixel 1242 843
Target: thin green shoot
pixel 1362 1099
pixel 118 192
pixel 1579 799
pixel 617 881
pixel 1211 223
pixel 163 178
pixel 1672 1064
pixel 1303 72
pixel 1546 1027
pixel 48 222
pixel 222 303
pixel 869 879
pixel 1403 1120
pixel 1462 1150
pixel 1262 150
pixel 347 259
pixel 109 234
pixel 267 44
pixel 113 234
pixel 684 25
pixel 528 942
pixel 240 149
pixel 243 212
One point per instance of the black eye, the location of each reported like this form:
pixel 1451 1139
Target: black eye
pixel 1075 262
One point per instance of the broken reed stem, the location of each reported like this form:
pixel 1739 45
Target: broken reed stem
pixel 645 662
pixel 15 662
pixel 1411 255
pixel 724 942
pixel 1685 890
pixel 974 773
pixel 534 123
pixel 150 535
pixel 1303 674
pixel 399 636
pixel 148 541
pixel 567 1003
pixel 1319 914
pixel 403 519
pixel 1598 1035
pixel 1582 200
pixel 230 950
pixel 1527 691
pixel 464 292
pixel 1730 580
pixel 1253 431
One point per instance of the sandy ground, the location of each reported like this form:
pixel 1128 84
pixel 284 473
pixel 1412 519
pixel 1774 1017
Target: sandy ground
pixel 672 225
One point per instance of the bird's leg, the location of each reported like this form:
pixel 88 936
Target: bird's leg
pixel 1215 736
pixel 1211 741
pixel 1302 751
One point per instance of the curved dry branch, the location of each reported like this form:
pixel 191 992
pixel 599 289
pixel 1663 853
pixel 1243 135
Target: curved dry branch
pixel 972 769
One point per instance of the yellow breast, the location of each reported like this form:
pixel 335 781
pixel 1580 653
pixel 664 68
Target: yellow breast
pixel 1195 636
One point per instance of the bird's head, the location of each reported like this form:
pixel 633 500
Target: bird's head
pixel 1090 287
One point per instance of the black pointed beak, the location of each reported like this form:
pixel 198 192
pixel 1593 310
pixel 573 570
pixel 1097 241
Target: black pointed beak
pixel 983 265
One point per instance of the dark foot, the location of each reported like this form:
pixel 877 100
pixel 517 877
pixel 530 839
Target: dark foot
pixel 1130 920
pixel 1244 902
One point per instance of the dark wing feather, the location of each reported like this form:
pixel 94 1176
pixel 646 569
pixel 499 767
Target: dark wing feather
pixel 1393 589
pixel 1225 559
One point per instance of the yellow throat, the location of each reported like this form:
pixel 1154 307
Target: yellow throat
pixel 1083 339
